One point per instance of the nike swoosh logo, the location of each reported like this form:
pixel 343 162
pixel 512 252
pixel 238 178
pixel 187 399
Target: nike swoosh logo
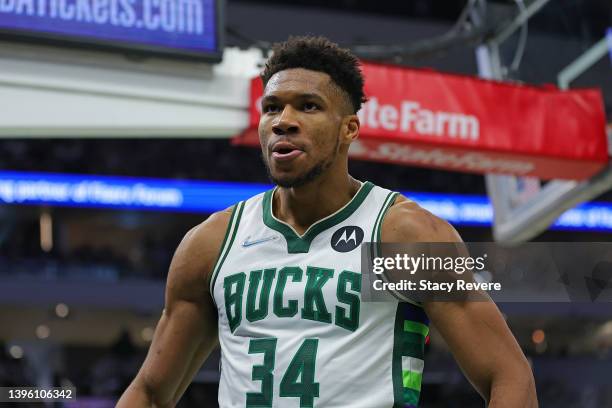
pixel 248 243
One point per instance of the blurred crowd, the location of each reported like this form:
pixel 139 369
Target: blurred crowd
pixel 101 375
pixel 199 159
pixel 147 260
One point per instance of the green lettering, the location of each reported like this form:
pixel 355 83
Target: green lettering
pixel 350 320
pixel 262 373
pixel 292 305
pixel 233 298
pixel 257 313
pixel 314 302
pixel 299 379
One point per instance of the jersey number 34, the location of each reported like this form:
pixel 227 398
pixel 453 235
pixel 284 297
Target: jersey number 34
pixel 298 380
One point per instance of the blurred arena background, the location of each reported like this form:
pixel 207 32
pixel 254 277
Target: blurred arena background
pixel 81 283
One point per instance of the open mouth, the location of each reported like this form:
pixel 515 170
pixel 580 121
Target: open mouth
pixel 285 151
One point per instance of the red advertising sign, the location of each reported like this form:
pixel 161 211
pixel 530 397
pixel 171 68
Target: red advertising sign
pixel 432 119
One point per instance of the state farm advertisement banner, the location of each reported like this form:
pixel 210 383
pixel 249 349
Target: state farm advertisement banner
pixel 431 119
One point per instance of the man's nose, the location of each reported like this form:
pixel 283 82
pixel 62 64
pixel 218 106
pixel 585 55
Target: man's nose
pixel 286 123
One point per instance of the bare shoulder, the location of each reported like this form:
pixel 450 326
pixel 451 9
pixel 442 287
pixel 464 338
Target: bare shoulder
pixel 406 221
pixel 196 255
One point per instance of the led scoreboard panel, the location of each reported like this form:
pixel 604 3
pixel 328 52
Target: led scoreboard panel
pixel 179 28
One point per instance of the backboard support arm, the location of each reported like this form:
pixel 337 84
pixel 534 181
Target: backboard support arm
pixel 523 207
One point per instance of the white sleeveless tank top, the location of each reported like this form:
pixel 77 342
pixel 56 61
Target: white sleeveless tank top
pixel 292 327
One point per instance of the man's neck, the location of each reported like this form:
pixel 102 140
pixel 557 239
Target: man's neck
pixel 302 206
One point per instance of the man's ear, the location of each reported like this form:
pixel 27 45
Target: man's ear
pixel 350 129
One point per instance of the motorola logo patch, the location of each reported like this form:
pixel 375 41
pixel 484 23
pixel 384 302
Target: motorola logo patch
pixel 347 238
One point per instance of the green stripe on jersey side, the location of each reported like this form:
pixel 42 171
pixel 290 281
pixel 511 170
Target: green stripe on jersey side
pixel 408 357
pixel 396 361
pixel 412 380
pixel 416 327
pixel 230 235
pixel 411 397
pixel 408 335
pixel 413 345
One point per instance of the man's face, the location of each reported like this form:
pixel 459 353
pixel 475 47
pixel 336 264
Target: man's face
pixel 299 129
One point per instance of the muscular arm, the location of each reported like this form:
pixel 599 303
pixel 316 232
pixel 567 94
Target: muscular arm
pixel 187 330
pixel 476 333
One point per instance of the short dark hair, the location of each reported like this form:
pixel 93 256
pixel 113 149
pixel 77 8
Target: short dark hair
pixel 319 54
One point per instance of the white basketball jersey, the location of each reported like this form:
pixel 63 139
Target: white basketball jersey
pixel 292 327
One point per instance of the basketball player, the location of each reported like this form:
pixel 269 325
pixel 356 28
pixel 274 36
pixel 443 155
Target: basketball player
pixel 275 280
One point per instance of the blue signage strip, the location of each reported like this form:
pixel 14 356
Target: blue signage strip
pixel 208 196
pixel 122 192
pixel 472 210
pixel 184 25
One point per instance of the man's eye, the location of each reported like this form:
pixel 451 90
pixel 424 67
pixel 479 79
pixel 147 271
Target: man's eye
pixel 309 106
pixel 270 109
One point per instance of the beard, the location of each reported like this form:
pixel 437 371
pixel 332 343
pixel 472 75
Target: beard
pixel 302 179
pixel 310 175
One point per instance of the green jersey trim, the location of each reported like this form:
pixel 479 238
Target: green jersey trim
pixel 408 355
pixel 408 334
pixel 301 243
pixel 228 240
pixel 376 231
pixel 396 362
pixel 377 240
